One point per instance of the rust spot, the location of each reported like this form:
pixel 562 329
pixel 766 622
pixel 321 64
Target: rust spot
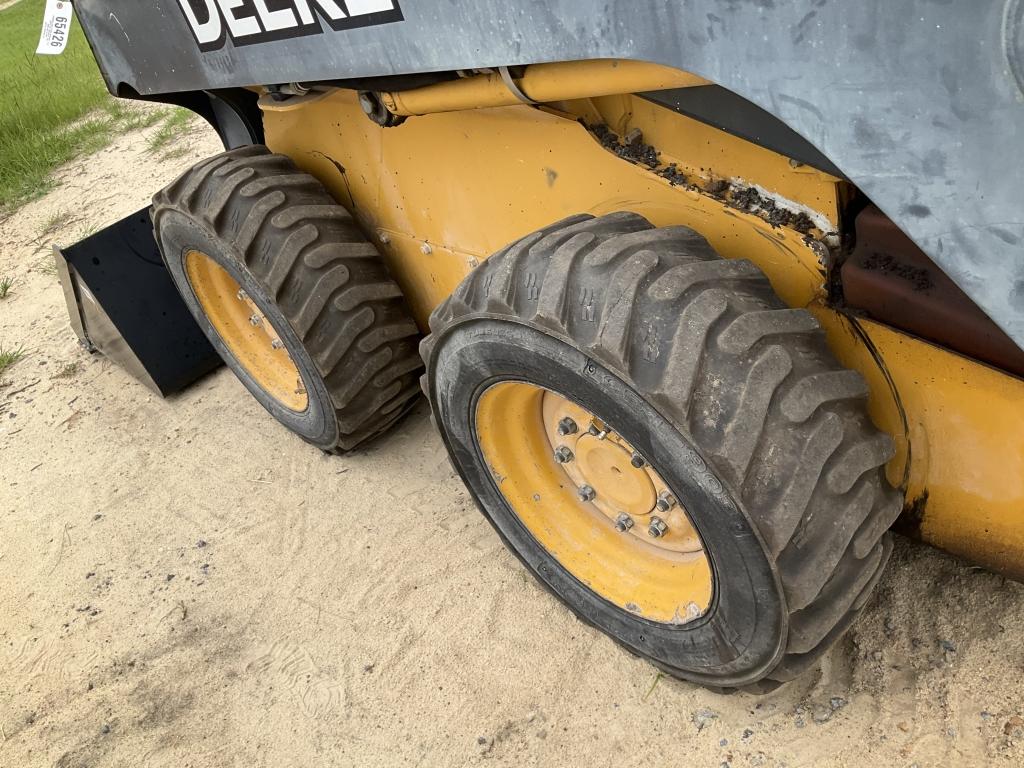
pixel 888 277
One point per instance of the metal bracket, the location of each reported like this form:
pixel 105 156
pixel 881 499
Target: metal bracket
pixel 506 78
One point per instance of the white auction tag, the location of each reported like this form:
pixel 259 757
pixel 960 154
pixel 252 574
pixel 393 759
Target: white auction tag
pixel 56 26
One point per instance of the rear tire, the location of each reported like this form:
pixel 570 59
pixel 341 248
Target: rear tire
pixel 731 396
pixel 250 220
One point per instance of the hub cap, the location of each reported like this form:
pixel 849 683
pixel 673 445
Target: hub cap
pixel 594 503
pixel 246 331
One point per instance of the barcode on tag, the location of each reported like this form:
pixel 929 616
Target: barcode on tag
pixel 56 26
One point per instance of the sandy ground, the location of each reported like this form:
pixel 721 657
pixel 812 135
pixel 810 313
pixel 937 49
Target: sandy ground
pixel 183 583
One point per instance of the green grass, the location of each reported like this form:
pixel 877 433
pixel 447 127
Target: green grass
pixel 45 265
pixel 56 108
pixel 131 117
pixel 89 229
pixel 5 285
pixel 172 128
pixel 56 221
pixel 68 370
pixel 9 357
pixel 45 104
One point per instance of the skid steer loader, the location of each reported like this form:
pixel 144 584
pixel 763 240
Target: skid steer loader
pixel 702 295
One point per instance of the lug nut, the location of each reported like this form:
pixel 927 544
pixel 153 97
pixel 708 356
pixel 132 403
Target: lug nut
pixel 597 432
pixel 255 320
pixel 637 460
pixel 623 522
pixel 276 344
pixel 657 528
pixel 586 493
pixel 567 427
pixel 426 250
pixel 665 501
pixel 242 295
pixel 563 455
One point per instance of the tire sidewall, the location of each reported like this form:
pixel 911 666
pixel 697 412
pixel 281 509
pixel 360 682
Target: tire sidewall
pixel 742 634
pixel 177 233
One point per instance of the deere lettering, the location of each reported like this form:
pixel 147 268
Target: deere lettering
pixel 255 21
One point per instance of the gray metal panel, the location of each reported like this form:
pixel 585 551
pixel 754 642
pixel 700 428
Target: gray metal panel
pixel 916 101
pixel 71 299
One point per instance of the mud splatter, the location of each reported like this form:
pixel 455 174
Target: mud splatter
pixel 673 175
pixel 631 148
pixel 750 200
pixel 745 198
pixel 919 277
pixel 909 521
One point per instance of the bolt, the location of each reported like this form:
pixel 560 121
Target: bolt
pixel 567 426
pixel 637 460
pixel 596 431
pixel 242 295
pixel 384 237
pixel 255 320
pixel 657 527
pixel 425 249
pixel 586 493
pixel 276 344
pixel 473 261
pixel 563 455
pixel 623 522
pixel 665 501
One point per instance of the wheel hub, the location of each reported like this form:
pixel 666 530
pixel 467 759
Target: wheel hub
pixel 594 502
pixel 604 465
pixel 246 331
pixel 604 461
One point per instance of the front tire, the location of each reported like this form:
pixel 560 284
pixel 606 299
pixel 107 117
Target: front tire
pixel 295 299
pixel 732 399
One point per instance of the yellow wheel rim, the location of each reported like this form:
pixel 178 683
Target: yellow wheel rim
pixel 246 331
pixel 594 503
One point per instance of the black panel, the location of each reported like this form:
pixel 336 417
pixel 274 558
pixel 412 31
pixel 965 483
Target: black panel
pixel 122 267
pixel 733 114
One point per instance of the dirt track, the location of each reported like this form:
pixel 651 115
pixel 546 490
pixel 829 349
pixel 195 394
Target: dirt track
pixel 182 583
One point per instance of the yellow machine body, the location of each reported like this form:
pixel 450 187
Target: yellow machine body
pixel 442 191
